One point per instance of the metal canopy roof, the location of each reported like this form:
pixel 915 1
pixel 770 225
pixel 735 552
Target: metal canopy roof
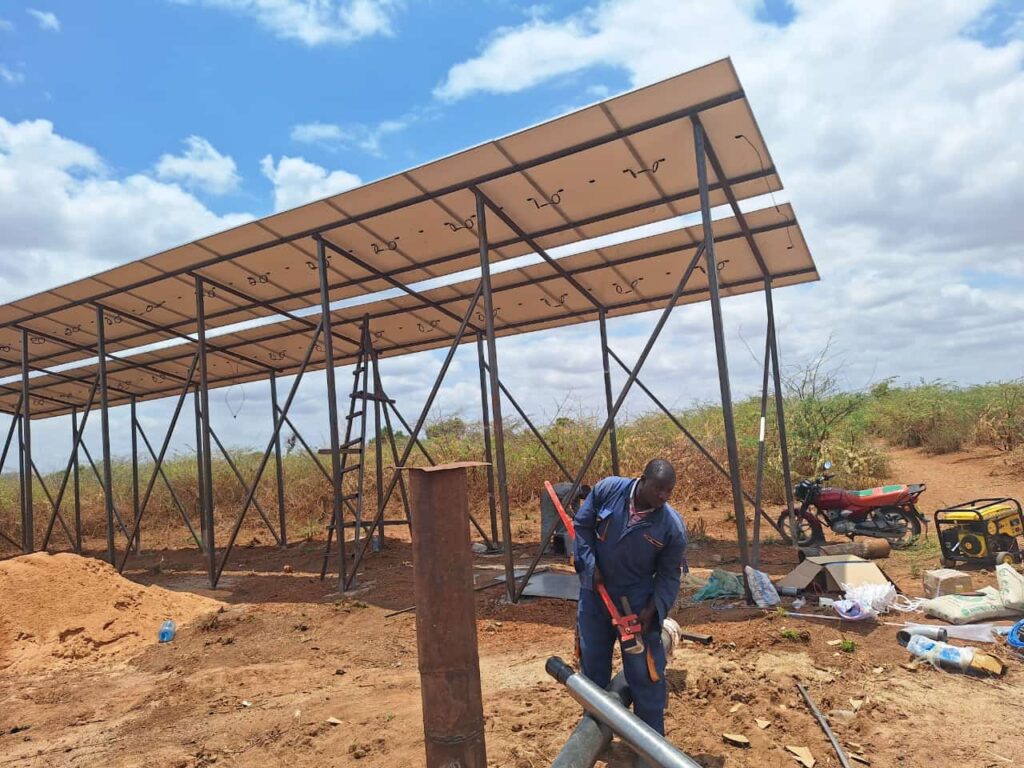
pixel 618 164
pixel 631 277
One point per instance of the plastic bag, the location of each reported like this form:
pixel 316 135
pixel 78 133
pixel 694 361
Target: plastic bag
pixel 761 588
pixel 720 584
pixel 877 597
pixel 854 610
pixel 1011 587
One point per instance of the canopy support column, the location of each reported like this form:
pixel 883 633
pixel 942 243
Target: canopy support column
pixel 27 522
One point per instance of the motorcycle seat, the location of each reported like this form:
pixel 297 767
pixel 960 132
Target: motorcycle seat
pixel 877 497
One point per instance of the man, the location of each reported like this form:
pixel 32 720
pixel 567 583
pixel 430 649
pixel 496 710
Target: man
pixel 632 541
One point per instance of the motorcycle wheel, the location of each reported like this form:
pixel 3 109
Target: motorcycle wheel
pixel 806 536
pixel 906 523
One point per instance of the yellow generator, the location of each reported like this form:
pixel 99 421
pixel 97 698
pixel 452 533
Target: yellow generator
pixel 983 531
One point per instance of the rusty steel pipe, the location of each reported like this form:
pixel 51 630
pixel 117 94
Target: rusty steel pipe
pixel 869 549
pixel 449 664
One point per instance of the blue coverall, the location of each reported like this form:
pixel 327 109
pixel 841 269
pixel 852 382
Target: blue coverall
pixel 638 561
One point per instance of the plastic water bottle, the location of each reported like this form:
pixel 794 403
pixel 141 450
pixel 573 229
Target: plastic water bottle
pixel 942 654
pixel 167 630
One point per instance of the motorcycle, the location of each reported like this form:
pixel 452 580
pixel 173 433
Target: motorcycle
pixel 889 512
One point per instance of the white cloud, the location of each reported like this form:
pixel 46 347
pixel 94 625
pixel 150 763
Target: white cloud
pixel 315 22
pixel 6 26
pixel 297 181
pixel 47 19
pixel 200 166
pixel 10 76
pixel 897 134
pixel 365 138
pixel 64 216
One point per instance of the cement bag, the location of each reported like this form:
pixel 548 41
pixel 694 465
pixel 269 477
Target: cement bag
pixel 1011 587
pixel 965 609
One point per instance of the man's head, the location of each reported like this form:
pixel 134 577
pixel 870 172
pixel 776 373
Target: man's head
pixel 656 484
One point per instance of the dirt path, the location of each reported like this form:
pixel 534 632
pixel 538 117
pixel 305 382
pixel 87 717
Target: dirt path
pixel 256 683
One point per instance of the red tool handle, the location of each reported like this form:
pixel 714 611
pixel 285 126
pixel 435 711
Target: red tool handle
pixel 629 625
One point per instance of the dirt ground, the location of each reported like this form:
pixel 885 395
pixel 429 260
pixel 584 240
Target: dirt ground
pixel 254 682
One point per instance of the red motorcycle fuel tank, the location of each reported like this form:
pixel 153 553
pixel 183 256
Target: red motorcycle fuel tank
pixel 831 498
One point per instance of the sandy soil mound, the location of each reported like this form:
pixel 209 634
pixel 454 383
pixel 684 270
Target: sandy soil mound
pixel 61 609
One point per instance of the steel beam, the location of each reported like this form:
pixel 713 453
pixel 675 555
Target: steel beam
pixel 719 332
pixel 282 523
pixel 76 490
pixel 755 548
pixel 27 517
pixel 108 483
pixel 499 426
pixel 613 441
pixel 204 421
pixel 135 472
pixel 780 410
pixel 485 412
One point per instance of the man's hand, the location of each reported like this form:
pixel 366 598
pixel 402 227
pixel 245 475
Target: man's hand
pixel 647 617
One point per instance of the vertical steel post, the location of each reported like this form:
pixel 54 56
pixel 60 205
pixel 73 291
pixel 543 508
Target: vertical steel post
pixel 200 484
pixel 755 548
pixel 76 487
pixel 449 662
pixel 499 427
pixel 332 413
pixel 780 409
pixel 723 364
pixel 204 407
pixel 612 439
pixel 135 475
pixel 378 447
pixel 485 412
pixel 108 483
pixel 28 539
pixel 279 463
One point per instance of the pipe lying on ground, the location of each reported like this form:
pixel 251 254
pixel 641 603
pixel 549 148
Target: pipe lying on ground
pixel 590 737
pixel 631 729
pixel 869 549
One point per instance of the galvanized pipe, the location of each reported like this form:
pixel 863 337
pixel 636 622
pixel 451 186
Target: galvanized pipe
pixel 630 728
pixel 107 480
pixel 449 663
pixel 27 522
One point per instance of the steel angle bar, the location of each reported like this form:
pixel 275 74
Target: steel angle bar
pixel 99 479
pixel 590 143
pixel 204 423
pixel 159 459
pixel 302 441
pixel 53 504
pixel 755 549
pixel 76 493
pixel 530 241
pixel 170 487
pixel 630 380
pixel 27 512
pixel 720 351
pixel 270 446
pixel 382 404
pixel 533 429
pixel 245 487
pixel 452 349
pixel 107 481
pixel 282 524
pixel 498 424
pixel 72 466
pixel 408 429
pixel 15 420
pixel 613 441
pixel 135 470
pixel 486 419
pixel 780 412
pixel 689 435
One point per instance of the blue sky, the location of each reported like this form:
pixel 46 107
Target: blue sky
pixel 129 127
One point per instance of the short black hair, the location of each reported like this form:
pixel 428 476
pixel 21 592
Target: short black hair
pixel 660 471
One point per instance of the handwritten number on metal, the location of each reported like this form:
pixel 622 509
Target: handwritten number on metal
pixel 720 266
pixel 71 330
pixel 428 327
pixel 559 302
pixel 258 279
pixel 652 170
pixel 465 224
pixel 152 307
pixel 36 340
pixel 623 290
pixel 113 319
pixel 555 199
pixel 483 318
pixel 276 355
pixel 389 245
pixel 312 266
pixel 5 347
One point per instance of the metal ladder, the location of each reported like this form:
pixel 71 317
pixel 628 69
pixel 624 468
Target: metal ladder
pixel 352 447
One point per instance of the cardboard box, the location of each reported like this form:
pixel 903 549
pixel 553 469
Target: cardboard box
pixel 946 581
pixel 829 572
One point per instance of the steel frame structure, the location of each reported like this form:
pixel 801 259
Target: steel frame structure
pixel 474 325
